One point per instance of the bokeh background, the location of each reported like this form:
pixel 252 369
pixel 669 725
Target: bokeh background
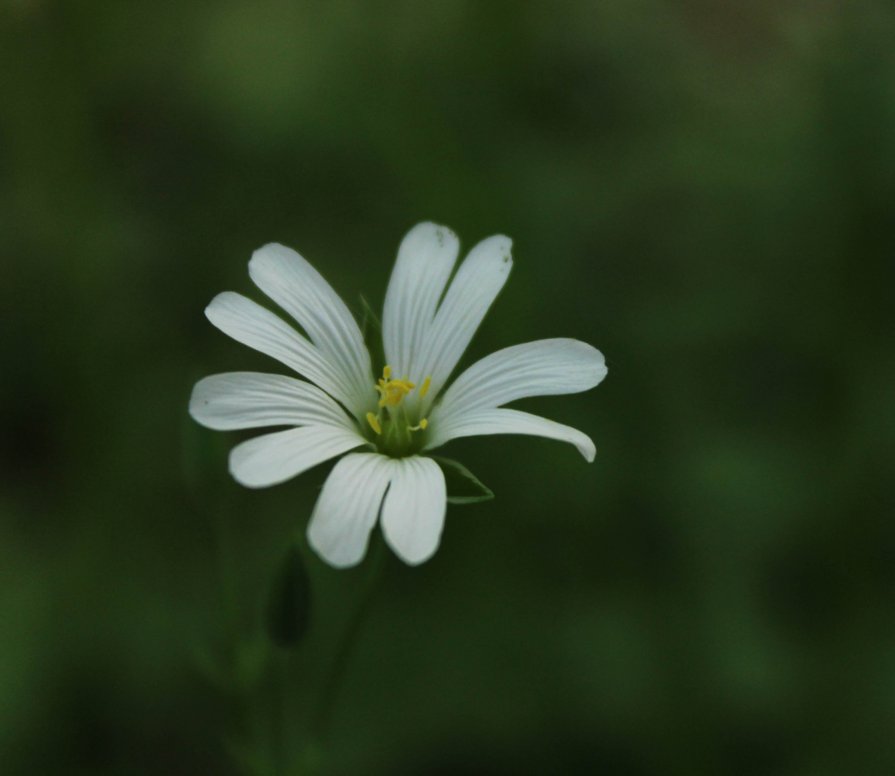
pixel 704 190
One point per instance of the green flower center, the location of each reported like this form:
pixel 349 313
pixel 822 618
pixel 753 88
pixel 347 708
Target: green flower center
pixel 395 433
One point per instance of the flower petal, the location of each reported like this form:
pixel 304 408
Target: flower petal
pixel 425 260
pixel 288 279
pixel 348 507
pixel 252 400
pixel 414 507
pixel 274 458
pixel 253 325
pixel 543 368
pixel 479 279
pixel 503 421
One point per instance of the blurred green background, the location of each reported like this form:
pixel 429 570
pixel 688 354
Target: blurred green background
pixel 703 190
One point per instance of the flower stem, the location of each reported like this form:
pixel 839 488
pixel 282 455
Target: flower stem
pixel 320 722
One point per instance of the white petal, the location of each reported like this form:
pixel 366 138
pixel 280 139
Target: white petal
pixel 253 325
pixel 478 281
pixel 274 458
pixel 348 507
pixel 425 260
pixel 543 368
pixel 503 421
pixel 252 400
pixel 288 279
pixel 414 507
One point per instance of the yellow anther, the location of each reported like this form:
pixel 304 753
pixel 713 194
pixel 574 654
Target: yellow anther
pixel 424 388
pixel 374 422
pixel 392 392
pixel 424 424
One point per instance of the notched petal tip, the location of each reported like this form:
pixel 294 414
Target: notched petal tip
pixel 497 247
pixel 430 238
pixel 428 228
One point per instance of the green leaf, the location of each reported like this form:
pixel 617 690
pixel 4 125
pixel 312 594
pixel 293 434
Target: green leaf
pixel 463 486
pixel 289 602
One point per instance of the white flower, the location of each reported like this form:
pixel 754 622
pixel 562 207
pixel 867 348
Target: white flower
pixel 397 419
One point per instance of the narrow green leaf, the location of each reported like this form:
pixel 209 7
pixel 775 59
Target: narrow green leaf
pixel 463 487
pixel 370 319
pixel 289 601
pixel 371 328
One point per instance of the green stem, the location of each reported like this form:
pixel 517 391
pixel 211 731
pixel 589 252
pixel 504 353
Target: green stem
pixel 320 723
pixel 281 715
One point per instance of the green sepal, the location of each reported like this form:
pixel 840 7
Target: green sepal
pixel 463 487
pixel 371 329
pixel 289 601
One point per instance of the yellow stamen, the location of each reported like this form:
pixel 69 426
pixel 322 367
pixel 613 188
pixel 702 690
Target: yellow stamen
pixel 424 424
pixel 424 388
pixel 374 422
pixel 392 392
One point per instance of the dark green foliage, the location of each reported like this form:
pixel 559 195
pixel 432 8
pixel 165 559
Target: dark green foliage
pixel 288 610
pixel 702 190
